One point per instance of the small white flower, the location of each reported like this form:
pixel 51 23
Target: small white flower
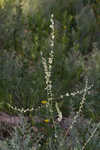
pixel 61 96
pixel 52 44
pixel 52 15
pixel 67 94
pixel 73 94
pixel 50 61
pixel 51 26
pixel 53 36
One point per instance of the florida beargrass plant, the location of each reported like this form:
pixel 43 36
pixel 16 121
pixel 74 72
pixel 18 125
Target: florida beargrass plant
pixel 48 133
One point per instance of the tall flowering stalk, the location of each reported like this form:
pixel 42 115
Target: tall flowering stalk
pixel 48 69
pixel 91 136
pixel 48 65
pixel 80 108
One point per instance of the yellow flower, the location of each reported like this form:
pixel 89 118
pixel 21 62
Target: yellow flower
pixel 46 120
pixel 44 102
pixel 64 27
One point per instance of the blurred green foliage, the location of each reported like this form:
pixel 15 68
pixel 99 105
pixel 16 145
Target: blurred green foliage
pixel 24 32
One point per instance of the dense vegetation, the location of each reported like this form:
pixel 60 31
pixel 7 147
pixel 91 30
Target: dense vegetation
pixel 24 33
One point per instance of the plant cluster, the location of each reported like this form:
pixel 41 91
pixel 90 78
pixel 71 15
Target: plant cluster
pixel 42 57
